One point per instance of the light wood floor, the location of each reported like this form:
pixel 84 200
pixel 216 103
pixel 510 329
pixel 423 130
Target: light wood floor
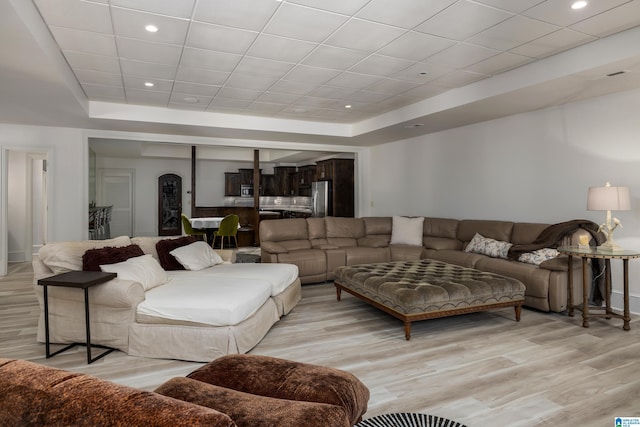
pixel 482 369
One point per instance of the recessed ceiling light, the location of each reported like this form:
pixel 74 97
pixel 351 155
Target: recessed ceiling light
pixel 300 110
pixel 191 100
pixel 414 125
pixel 347 106
pixel 148 84
pixel 423 73
pixel 578 4
pixel 151 28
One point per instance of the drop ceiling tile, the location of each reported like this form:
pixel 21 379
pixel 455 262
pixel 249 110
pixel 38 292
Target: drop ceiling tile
pixel 292 88
pixel 219 102
pixel 195 88
pixel 198 101
pixel 512 32
pixel 364 35
pixel 138 83
pixel 147 97
pixel 278 98
pixel 378 65
pixel 148 69
pixel 416 46
pixel 250 81
pixel 423 91
pixel 98 78
pixel 346 7
pixel 333 92
pixel 497 64
pixel 180 9
pixel 515 6
pixel 421 72
pixel 201 75
pixel 280 48
pixel 368 96
pixel 208 59
pixel 305 73
pixel 621 18
pixel 187 106
pixel 559 12
pixel 403 13
pixel 336 58
pixel 84 41
pixel 303 23
pixel 130 23
pixel 459 78
pixel 104 93
pixel 77 14
pixel 263 67
pixel 85 61
pixel 460 56
pixel 391 86
pixel 264 107
pixel 238 93
pixel 552 43
pixel 140 50
pixel 218 38
pixel 470 18
pixel 246 14
pixel 353 80
pixel 313 101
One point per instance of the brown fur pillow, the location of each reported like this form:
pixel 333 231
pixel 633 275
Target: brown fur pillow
pixel 164 246
pixel 94 258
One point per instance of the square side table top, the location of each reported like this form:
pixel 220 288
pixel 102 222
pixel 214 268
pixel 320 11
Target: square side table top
pixel 78 279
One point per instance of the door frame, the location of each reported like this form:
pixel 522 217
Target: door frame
pixel 128 172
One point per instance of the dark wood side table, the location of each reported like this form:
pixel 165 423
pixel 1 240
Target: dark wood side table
pixel 594 253
pixel 80 280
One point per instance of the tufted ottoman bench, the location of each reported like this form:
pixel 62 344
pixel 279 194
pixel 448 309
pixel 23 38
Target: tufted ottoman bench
pixel 427 289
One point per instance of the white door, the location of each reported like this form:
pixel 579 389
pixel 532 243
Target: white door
pixel 115 188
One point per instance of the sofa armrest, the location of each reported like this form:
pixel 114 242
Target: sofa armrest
pixel 560 263
pixel 273 248
pixel 119 293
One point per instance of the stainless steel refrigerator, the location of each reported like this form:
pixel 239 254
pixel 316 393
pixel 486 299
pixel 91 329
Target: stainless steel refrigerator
pixel 321 199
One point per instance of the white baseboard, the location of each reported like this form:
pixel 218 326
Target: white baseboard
pixel 16 257
pixel 617 302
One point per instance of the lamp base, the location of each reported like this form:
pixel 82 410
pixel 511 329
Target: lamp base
pixel 610 246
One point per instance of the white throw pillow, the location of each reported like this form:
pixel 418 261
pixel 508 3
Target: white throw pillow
pixel 142 269
pixel 196 256
pixel 406 231
pixel 61 257
pixel 539 256
pixel 490 247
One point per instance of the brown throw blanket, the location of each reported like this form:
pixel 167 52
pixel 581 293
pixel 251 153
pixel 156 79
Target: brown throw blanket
pixel 552 236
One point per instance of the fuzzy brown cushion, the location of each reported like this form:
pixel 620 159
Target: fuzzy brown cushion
pixel 251 410
pixel 164 246
pixel 285 379
pixel 94 258
pixel 37 395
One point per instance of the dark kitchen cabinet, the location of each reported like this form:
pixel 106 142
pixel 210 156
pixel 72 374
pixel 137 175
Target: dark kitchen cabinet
pixel 231 184
pixel 268 185
pixel 340 173
pixel 305 176
pixel 283 182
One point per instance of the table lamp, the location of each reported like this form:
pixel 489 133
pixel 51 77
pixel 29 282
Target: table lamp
pixel 609 199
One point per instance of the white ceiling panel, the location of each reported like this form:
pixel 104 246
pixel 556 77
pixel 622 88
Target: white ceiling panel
pixel 85 61
pixel 148 69
pixel 138 83
pixel 201 75
pixel 334 92
pixel 353 80
pixel 459 78
pixel 306 73
pixel 460 56
pixel 346 7
pixel 131 24
pixel 379 65
pixel 104 93
pixel 199 102
pixel 77 14
pixel 216 37
pixel 416 46
pixel 403 13
pixel 292 88
pixel 84 41
pixel 280 48
pixel 612 21
pixel 179 9
pixel 364 35
pixel 195 89
pixel 141 50
pixel 147 97
pixel 303 23
pixel 336 58
pixel 99 78
pixel 228 103
pixel 513 32
pixel 200 58
pixel 264 67
pixel 499 63
pixel 250 81
pixel 265 107
pixel 391 86
pixel 559 12
pixel 470 18
pixel 552 43
pixel 246 14
pixel 515 6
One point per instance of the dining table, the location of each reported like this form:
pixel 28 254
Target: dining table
pixel 212 222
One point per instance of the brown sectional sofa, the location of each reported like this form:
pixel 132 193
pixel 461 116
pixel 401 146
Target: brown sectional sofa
pixel 319 245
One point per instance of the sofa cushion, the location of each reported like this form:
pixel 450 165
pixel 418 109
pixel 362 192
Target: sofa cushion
pixel 535 279
pixel 61 257
pixel 440 243
pixel 526 232
pixel 251 410
pixel 498 230
pixel 277 230
pixel 338 227
pixel 407 231
pixel 490 247
pixel 316 228
pixel 374 241
pixel 143 269
pixel 441 227
pixel 377 225
pixel 363 255
pixel 94 258
pixel 148 244
pixel 164 248
pixel 196 256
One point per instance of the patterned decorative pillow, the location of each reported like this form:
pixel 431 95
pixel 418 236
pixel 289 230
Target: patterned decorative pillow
pixel 93 258
pixel 539 256
pixel 486 246
pixel 165 246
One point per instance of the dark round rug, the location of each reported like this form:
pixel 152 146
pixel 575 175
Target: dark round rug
pixel 408 419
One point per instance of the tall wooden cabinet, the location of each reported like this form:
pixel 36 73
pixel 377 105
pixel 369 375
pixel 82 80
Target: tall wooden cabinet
pixel 340 173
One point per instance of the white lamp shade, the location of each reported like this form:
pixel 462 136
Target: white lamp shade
pixel 608 199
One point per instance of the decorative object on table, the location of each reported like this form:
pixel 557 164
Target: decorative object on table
pixel 190 231
pixel 407 419
pixel 229 229
pixel 609 198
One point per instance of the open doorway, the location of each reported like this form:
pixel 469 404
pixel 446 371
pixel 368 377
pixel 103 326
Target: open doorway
pixel 24 205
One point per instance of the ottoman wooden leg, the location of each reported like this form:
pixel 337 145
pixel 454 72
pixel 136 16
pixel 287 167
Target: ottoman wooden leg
pixel 518 312
pixel 407 330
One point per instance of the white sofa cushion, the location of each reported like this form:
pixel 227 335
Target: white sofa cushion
pixel 143 269
pixel 61 257
pixel 196 256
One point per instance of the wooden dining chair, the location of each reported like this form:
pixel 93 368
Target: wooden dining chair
pixel 190 231
pixel 229 229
